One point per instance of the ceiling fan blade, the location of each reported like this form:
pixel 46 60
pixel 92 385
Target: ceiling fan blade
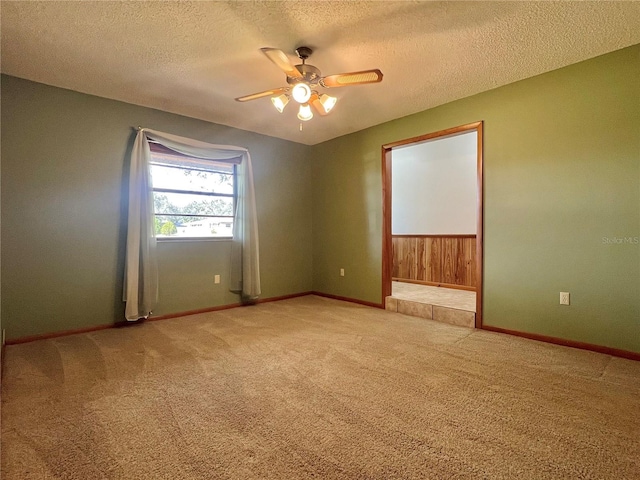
pixel 267 93
pixel 353 78
pixel 281 61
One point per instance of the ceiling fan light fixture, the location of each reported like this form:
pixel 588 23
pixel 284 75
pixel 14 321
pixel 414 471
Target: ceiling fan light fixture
pixel 328 102
pixel 301 92
pixel 300 81
pixel 305 114
pixel 280 102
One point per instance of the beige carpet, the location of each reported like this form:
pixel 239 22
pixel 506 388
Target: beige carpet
pixel 315 388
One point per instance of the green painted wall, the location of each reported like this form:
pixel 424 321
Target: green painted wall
pixel 562 174
pixel 64 165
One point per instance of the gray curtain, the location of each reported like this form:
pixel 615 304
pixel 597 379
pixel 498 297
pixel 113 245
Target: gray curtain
pixel 141 271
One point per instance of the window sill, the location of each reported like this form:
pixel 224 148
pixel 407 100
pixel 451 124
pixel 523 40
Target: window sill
pixel 192 239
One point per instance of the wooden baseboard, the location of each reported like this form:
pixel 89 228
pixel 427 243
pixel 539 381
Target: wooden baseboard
pixel 64 333
pixel 615 352
pixel 283 297
pixel 217 308
pixel 435 284
pixel 347 299
pixel 228 306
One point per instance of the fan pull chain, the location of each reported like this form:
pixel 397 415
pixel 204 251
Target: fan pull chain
pixel 300 126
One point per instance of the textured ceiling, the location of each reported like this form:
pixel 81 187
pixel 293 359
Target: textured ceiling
pixel 194 58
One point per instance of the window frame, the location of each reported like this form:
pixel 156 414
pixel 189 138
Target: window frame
pixel 158 148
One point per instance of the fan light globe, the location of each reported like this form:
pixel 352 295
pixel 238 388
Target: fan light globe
pixel 301 92
pixel 280 102
pixel 327 102
pixel 305 114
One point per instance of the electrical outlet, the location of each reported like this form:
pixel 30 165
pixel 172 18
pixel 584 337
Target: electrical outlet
pixel 564 298
pixel 342 272
pixel 216 279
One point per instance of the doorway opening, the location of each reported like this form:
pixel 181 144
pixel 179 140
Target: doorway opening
pixel 438 263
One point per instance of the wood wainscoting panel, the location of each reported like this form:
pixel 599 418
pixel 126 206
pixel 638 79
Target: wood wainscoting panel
pixel 421 257
pixel 449 260
pixel 470 261
pixel 432 257
pixel 446 259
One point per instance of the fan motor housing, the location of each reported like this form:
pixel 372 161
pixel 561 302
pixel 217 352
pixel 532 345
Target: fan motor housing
pixel 304 52
pixel 310 74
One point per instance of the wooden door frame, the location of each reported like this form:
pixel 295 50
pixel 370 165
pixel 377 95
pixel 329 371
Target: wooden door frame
pixel 386 207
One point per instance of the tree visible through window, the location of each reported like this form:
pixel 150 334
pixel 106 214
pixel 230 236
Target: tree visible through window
pixel 193 197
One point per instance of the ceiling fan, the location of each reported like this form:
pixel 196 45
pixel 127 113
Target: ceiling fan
pixel 303 80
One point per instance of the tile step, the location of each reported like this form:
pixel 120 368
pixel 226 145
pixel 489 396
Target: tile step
pixel 438 313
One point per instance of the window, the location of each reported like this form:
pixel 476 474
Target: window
pixel 192 197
